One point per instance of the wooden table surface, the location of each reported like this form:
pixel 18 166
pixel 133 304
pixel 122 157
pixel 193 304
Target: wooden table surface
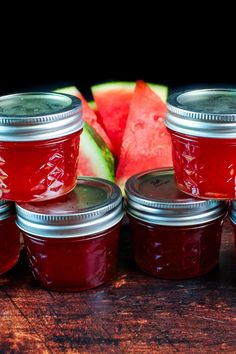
pixel 133 314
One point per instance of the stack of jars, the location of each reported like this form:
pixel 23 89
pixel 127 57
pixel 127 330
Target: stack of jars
pixel 70 227
pixel 176 220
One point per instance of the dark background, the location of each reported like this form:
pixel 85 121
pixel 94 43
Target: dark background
pixel 181 52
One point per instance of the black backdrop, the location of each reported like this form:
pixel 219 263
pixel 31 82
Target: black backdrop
pixel 176 58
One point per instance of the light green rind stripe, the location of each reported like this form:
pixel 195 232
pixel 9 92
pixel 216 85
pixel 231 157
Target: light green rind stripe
pixel 93 146
pixel 161 90
pixel 107 86
pixel 92 104
pixel 71 90
pixel 97 152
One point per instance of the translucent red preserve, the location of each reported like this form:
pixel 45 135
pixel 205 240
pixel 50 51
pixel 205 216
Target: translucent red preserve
pixel 205 167
pixel 38 170
pixel 176 252
pixel 9 238
pixel 73 264
pixel 202 125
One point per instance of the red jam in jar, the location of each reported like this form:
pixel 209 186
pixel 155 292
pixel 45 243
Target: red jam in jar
pixel 202 124
pixel 9 237
pixel 72 241
pixel 174 235
pixel 39 145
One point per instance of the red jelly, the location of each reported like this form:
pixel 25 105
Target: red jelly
pixel 39 145
pixel 9 237
pixel 72 241
pixel 202 124
pixel 174 235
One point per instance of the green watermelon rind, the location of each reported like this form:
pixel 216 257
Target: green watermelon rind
pixel 93 146
pixel 70 90
pixel 92 105
pixel 98 153
pixel 160 90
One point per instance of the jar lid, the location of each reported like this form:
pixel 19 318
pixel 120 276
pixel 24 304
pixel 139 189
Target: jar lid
pixel 204 113
pixel 153 197
pixel 92 207
pixel 39 116
pixel 6 209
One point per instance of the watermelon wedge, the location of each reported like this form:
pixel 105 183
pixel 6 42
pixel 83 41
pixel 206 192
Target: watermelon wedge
pixel 95 158
pixel 113 102
pixel 89 115
pixel 146 143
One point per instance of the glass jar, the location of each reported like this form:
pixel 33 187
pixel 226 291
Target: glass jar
pixel 202 125
pixel 9 237
pixel 72 241
pixel 174 235
pixel 39 145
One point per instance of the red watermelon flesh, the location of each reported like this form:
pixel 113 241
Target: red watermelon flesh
pixel 146 143
pixel 86 169
pixel 113 111
pixel 90 114
pixel 91 117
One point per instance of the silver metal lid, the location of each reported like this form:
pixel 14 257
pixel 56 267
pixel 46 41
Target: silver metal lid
pixel 39 116
pixel 204 113
pixel 153 197
pixel 6 209
pixel 92 207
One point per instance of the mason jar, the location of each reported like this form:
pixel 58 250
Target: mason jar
pixel 72 241
pixel 202 125
pixel 175 236
pixel 39 145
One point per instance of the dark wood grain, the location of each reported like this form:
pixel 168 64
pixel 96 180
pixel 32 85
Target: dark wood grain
pixel 133 314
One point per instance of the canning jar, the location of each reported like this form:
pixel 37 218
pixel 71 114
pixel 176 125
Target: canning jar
pixel 39 145
pixel 9 237
pixel 72 241
pixel 174 235
pixel 202 125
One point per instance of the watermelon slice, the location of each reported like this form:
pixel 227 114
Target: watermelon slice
pixel 95 158
pixel 89 115
pixel 113 102
pixel 146 143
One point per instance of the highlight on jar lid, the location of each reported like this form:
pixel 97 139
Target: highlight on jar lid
pixel 39 116
pixel 6 209
pixel 203 113
pixel 92 207
pixel 153 197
